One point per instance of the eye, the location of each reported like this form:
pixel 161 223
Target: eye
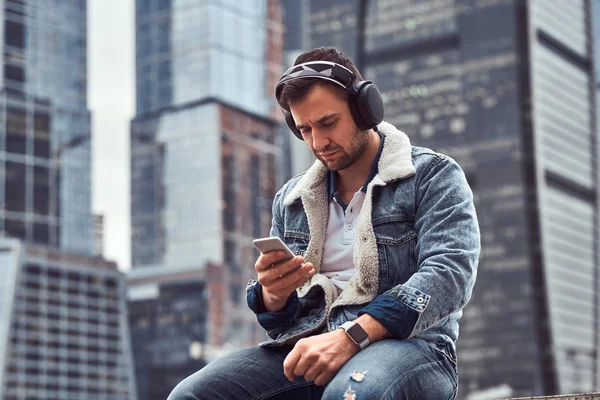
pixel 329 124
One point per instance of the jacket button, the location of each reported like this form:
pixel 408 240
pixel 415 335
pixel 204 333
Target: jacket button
pixel 420 300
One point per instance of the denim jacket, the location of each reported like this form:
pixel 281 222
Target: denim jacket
pixel 416 249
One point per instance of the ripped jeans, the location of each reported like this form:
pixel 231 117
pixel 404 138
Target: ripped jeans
pixel 410 369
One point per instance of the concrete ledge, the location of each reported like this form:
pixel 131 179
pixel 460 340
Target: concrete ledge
pixel 582 396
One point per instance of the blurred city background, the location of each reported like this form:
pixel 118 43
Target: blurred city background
pixel 165 109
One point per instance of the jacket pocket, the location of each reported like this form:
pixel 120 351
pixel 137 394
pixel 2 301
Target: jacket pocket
pixel 396 239
pixel 296 241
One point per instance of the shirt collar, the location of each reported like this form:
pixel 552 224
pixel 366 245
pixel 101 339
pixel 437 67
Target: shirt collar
pixel 332 187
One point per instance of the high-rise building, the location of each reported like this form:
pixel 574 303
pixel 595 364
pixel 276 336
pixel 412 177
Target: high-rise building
pixel 205 136
pixel 62 310
pixel 206 161
pixel 63 326
pixel 506 88
pixel 45 124
pixel 181 320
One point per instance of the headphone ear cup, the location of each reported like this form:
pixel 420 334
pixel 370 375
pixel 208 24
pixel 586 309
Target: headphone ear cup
pixel 356 114
pixel 368 105
pixel 289 120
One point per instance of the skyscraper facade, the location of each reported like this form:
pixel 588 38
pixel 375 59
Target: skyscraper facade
pixel 63 323
pixel 45 124
pixel 506 88
pixel 63 326
pixel 206 128
pixel 206 161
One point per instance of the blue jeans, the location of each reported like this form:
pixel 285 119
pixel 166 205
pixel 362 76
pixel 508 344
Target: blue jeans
pixel 389 369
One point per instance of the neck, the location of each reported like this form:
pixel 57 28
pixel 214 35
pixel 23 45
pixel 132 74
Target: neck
pixel 351 179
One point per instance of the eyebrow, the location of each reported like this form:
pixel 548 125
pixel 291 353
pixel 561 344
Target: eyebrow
pixel 319 121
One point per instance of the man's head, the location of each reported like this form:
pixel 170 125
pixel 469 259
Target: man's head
pixel 334 113
pixel 295 90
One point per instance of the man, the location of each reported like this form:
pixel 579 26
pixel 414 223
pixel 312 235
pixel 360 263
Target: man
pixel 388 243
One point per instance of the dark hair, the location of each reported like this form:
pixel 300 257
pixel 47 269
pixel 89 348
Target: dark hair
pixel 297 89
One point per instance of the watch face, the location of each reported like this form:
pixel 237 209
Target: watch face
pixel 357 333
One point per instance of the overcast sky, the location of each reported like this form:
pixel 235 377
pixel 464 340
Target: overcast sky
pixel 111 98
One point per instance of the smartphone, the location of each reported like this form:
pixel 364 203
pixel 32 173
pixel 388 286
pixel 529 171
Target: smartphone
pixel 273 243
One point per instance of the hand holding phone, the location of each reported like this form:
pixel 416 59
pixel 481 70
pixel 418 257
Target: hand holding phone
pixel 270 244
pixel 279 275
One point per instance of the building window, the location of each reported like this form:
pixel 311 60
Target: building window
pixel 229 192
pixel 41 141
pixel 14 34
pixel 41 190
pixel 15 228
pixel 41 233
pixel 14 73
pixel 15 187
pixel 16 131
pixel 32 269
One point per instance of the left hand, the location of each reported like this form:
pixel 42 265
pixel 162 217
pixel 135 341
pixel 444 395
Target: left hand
pixel 318 358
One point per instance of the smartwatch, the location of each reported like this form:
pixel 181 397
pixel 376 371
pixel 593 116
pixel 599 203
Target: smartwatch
pixel 356 333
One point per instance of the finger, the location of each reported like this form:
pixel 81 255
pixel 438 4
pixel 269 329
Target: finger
pixel 313 372
pixel 298 278
pixel 265 261
pixel 323 377
pixel 291 281
pixel 289 274
pixel 290 363
pixel 302 366
pixel 279 271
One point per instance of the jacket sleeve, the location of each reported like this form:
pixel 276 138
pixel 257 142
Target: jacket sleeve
pixel 272 322
pixel 447 249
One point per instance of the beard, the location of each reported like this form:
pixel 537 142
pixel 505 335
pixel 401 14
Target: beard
pixel 346 157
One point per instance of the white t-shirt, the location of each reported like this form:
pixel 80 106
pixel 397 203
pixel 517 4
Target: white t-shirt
pixel 338 262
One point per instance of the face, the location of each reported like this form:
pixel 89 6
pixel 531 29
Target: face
pixel 327 127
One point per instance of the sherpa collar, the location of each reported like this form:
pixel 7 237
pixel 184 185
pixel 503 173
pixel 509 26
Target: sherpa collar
pixel 395 163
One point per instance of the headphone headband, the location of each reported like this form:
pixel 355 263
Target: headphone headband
pixel 326 70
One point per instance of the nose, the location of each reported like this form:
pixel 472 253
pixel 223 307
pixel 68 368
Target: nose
pixel 319 140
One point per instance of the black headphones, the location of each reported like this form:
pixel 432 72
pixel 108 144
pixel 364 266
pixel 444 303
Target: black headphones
pixel 366 104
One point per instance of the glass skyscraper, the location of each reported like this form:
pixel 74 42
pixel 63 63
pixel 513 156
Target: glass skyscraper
pixel 506 88
pixel 45 124
pixel 206 161
pixel 206 128
pixel 63 325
